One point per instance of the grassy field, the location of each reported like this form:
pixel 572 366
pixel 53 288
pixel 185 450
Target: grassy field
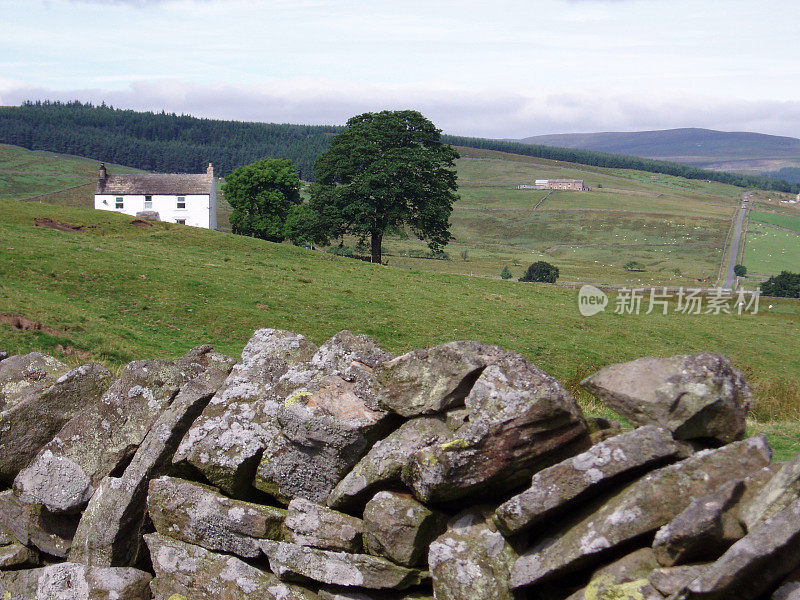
pixel 114 292
pixel 784 221
pixel 770 250
pixel 26 173
pixel 677 228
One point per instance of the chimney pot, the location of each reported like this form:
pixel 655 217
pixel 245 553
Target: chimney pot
pixel 103 173
pixel 210 170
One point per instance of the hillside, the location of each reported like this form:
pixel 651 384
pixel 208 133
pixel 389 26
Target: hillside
pixel 706 148
pixel 182 143
pixel 109 290
pixel 676 227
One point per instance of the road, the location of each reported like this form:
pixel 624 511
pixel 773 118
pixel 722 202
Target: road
pixel 736 239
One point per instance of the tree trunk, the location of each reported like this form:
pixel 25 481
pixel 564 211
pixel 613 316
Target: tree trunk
pixel 377 240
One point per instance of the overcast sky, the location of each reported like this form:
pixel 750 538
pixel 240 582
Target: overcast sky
pixel 501 68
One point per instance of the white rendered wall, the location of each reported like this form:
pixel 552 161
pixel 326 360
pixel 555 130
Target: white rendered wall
pixel 197 212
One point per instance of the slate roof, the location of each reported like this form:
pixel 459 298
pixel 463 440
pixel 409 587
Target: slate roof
pixel 155 184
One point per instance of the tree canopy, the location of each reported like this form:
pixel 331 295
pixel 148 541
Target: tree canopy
pixel 786 285
pixel 159 141
pixel 386 170
pixel 262 195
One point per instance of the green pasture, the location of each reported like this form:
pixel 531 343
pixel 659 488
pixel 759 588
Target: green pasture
pixel 769 250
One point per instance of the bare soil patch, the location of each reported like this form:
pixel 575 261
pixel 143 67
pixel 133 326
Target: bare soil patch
pixel 57 225
pixel 23 323
pixel 141 223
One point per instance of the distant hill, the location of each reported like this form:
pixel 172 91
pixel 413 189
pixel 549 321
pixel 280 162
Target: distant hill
pixel 167 142
pixel 706 148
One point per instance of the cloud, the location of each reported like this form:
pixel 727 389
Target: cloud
pixel 461 111
pixel 135 3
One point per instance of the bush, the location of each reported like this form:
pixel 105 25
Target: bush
pixel 785 285
pixel 541 271
pixel 632 265
pixel 740 270
pixel 505 273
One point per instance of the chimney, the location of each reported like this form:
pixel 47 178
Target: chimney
pixel 103 173
pixel 210 170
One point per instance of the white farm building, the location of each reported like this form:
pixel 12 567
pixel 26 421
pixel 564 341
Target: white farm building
pixel 188 199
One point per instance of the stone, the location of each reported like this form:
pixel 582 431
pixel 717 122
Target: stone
pixel 520 421
pixel 69 581
pixel 345 594
pixel 34 525
pixel 185 571
pixel 696 396
pixel 31 423
pixel 323 410
pixel 200 515
pixel 671 580
pixel 290 561
pixel 202 360
pixel 96 441
pixel 24 377
pixel 326 427
pixel 3 355
pixel 753 484
pixel 625 578
pixel 789 589
pixel 55 482
pixel 432 380
pixel 399 528
pixel 586 537
pixel 17 555
pixel 781 491
pixel 226 442
pixel 704 530
pixel 471 559
pixel 382 466
pixel 755 564
pixel 317 526
pixel 711 523
pixel 109 531
pixel 345 351
pixel 587 474
pixel 603 588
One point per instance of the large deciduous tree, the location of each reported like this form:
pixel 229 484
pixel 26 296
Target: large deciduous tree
pixel 261 195
pixel 386 170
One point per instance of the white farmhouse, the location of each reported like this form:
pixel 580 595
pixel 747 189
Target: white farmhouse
pixel 187 199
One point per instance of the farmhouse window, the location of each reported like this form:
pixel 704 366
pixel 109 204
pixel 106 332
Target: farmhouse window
pixel 148 202
pixel 181 201
pixel 180 221
pixel 119 202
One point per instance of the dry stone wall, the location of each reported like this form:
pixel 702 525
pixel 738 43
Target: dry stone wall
pixel 341 472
